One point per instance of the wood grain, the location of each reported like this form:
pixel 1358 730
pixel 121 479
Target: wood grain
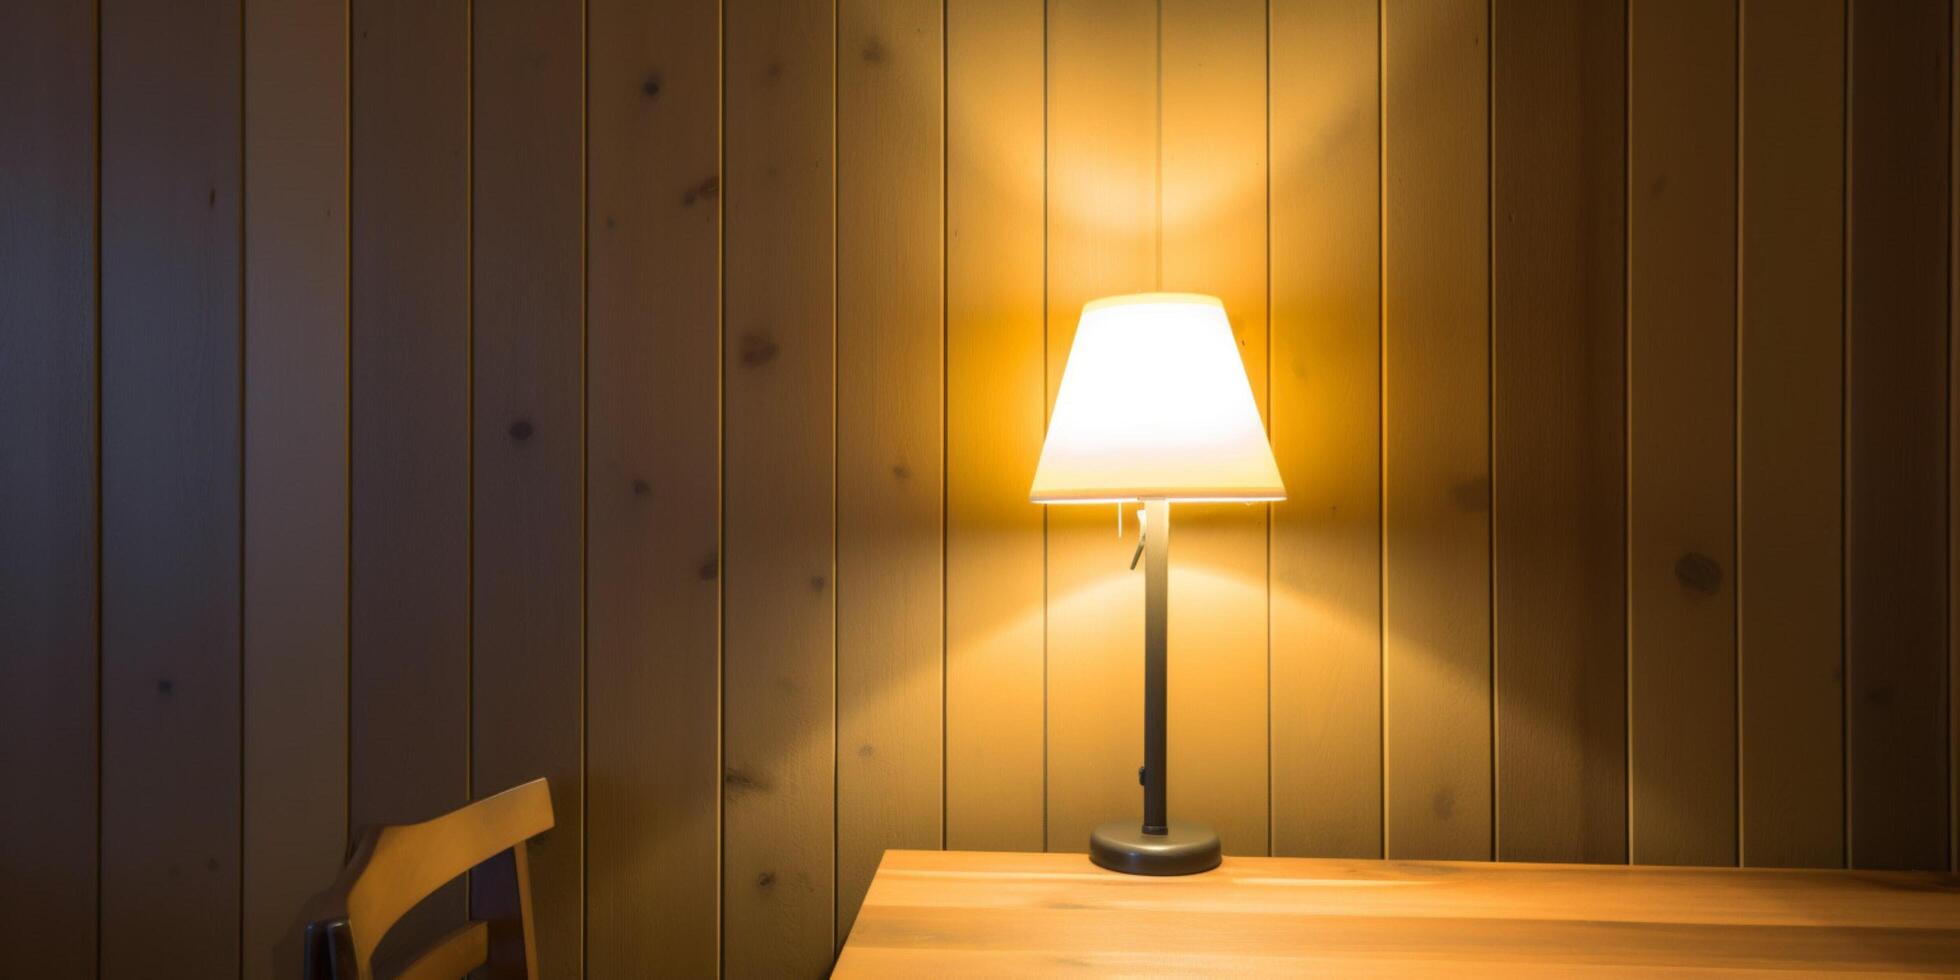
pixel 1558 419
pixel 778 532
pixel 296 403
pixel 1789 442
pixel 1102 241
pixel 1325 422
pixel 891 411
pixel 527 447
pixel 171 360
pixel 48 487
pixel 1436 429
pixel 996 402
pixel 1681 301
pixel 952 914
pixel 1896 397
pixel 653 489
pixel 409 366
pixel 1213 212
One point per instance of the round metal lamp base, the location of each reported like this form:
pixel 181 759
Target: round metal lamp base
pixel 1187 848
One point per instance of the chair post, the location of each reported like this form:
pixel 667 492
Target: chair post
pixel 329 947
pixel 500 891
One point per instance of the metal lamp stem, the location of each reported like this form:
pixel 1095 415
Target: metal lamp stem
pixel 1158 846
pixel 1156 616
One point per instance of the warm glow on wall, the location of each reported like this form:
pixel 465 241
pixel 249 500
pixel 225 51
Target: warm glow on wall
pixel 1154 402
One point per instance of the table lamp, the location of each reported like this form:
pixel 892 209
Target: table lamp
pixel 1154 406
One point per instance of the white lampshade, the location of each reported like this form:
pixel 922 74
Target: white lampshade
pixel 1154 402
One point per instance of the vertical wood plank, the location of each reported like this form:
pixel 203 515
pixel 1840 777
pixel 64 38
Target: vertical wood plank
pixel 527 438
pixel 1102 240
pixel 996 397
pixel 1953 454
pixel 1325 419
pixel 890 436
pixel 48 486
pixel 171 474
pixel 295 632
pixel 779 748
pixel 653 489
pixel 1895 420
pixel 1213 212
pixel 1436 428
pixel 1558 419
pixel 1789 443
pixel 409 597
pixel 1681 294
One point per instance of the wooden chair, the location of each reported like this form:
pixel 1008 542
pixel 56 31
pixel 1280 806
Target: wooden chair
pixel 394 867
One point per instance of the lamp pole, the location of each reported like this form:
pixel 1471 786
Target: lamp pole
pixel 1159 845
pixel 1156 645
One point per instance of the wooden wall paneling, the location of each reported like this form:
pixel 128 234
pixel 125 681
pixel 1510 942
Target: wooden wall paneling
pixel 1558 421
pixel 1213 212
pixel 1953 456
pixel 1325 419
pixel 1681 300
pixel 1789 462
pixel 171 473
pixel 1102 240
pixel 409 363
pixel 996 399
pixel 653 489
pixel 778 681
pixel 48 474
pixel 527 302
pixel 295 631
pixel 1895 438
pixel 890 436
pixel 1436 428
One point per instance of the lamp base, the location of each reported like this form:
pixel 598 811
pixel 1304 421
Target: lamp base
pixel 1187 848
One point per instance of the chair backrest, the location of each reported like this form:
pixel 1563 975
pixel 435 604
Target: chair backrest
pixel 396 866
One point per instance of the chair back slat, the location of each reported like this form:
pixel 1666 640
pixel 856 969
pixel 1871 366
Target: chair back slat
pixel 452 956
pixel 394 867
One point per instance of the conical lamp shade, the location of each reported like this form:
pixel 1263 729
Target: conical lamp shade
pixel 1154 402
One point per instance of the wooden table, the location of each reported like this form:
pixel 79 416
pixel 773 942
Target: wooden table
pixel 966 914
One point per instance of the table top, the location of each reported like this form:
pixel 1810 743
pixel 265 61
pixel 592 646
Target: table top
pixel 971 914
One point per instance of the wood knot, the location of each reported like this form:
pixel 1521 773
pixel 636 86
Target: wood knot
pixel 1659 186
pixel 902 472
pixel 773 71
pixel 1699 572
pixel 1472 495
pixel 737 779
pixel 873 51
pixel 766 878
pixel 816 583
pixel 651 87
pixel 611 222
pixel 210 864
pixel 520 430
pixel 642 488
pixel 1443 804
pixel 709 568
pixel 704 191
pixel 865 751
pixel 1879 697
pixel 758 349
pixel 164 686
pixel 211 198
